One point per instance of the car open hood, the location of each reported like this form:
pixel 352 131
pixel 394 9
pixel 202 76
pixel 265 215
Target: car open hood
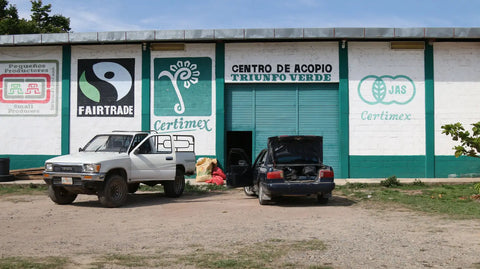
pixel 296 149
pixel 88 157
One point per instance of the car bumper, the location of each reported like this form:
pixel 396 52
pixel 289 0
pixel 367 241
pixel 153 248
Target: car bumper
pixel 72 179
pixel 86 183
pixel 297 188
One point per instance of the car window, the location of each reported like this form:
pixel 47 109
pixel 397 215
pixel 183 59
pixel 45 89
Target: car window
pixel 157 144
pixel 137 139
pixel 109 143
pixel 260 158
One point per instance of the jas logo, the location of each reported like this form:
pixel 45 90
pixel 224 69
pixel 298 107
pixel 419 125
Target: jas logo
pixel 106 88
pixel 386 90
pixel 183 86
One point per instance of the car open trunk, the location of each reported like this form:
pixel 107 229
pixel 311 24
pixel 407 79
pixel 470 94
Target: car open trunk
pixel 300 157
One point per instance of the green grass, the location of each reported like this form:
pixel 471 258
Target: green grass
pixel 22 189
pixel 267 254
pixel 33 262
pixel 459 201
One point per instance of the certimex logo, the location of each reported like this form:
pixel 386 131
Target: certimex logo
pixel 183 86
pixel 386 90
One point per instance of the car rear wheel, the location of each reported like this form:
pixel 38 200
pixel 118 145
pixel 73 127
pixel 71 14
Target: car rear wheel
pixel 322 199
pixel 60 195
pixel 263 199
pixel 115 191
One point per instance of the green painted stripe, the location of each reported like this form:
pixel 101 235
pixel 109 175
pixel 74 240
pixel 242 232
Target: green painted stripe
pixel 429 113
pixel 386 166
pixel 146 87
pixel 66 68
pixel 344 111
pixel 220 102
pixel 27 161
pixel 463 166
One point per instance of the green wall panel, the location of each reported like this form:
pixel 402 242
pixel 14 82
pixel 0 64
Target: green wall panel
pixel 27 161
pixel 285 109
pixel 463 166
pixel 386 166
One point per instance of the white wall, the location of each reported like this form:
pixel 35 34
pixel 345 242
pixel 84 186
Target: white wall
pixel 82 129
pixel 168 121
pixel 302 62
pixel 395 125
pixel 457 89
pixel 31 126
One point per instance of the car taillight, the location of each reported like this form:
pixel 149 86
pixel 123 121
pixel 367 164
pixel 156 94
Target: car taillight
pixel 324 173
pixel 277 174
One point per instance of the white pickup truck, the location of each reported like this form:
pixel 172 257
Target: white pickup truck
pixel 112 165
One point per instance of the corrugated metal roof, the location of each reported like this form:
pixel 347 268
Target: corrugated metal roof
pixel 265 34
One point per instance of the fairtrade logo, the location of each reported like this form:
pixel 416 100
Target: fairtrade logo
pixel 186 72
pixel 110 72
pixel 106 88
pixel 386 90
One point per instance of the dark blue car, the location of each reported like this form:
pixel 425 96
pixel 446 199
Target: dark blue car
pixel 289 166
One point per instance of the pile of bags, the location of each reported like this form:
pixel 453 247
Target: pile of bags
pixel 209 172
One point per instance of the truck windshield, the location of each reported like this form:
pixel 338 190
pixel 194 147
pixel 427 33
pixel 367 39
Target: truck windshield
pixel 109 143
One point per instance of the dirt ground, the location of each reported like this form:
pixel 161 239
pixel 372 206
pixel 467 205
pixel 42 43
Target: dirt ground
pixel 355 236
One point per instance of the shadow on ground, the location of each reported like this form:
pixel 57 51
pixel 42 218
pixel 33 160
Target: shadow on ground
pixel 144 199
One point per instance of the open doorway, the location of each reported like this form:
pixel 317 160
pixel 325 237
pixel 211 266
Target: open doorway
pixel 240 139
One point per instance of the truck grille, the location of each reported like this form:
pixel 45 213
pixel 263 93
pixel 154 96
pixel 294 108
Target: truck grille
pixel 68 168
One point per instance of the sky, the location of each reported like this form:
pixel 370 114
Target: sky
pixel 137 15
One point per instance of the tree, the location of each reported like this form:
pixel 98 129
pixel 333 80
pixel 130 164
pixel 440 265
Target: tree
pixel 41 21
pixel 469 142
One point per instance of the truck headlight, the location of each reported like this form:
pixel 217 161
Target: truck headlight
pixel 91 167
pixel 48 167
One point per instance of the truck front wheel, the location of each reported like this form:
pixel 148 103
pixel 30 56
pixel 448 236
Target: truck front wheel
pixel 175 188
pixel 60 195
pixel 114 193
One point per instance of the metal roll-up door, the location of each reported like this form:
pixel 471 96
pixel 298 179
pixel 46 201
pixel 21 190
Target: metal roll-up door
pixel 285 109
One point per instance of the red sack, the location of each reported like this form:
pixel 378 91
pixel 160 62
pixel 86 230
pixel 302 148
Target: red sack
pixel 218 172
pixel 216 180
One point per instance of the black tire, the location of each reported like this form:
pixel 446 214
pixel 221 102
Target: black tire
pixel 175 187
pixel 261 196
pixel 321 199
pixel 249 191
pixel 115 191
pixel 60 195
pixel 133 187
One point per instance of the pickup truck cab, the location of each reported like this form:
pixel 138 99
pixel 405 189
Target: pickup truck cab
pixel 289 166
pixel 113 164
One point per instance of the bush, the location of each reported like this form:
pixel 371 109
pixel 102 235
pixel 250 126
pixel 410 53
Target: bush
pixel 390 182
pixel 477 187
pixel 418 182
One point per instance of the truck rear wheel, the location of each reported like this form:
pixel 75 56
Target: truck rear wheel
pixel 114 193
pixel 60 195
pixel 175 188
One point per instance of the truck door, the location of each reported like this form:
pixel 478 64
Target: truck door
pixel 154 159
pixel 239 169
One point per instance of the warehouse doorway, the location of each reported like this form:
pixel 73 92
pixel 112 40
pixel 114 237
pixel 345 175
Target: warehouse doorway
pixel 240 139
pixel 283 109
